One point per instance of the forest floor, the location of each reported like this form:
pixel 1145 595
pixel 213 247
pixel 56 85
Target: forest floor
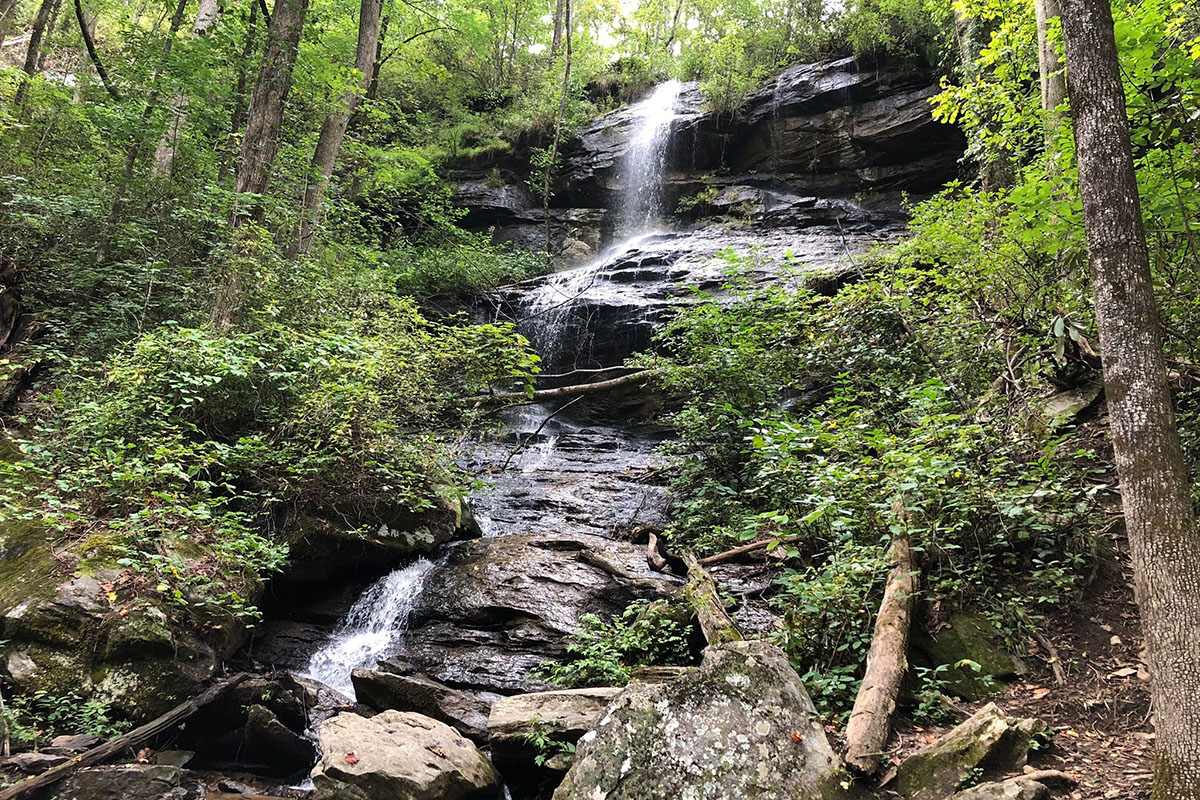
pixel 1101 715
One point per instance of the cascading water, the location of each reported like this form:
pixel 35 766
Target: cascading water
pixel 645 161
pixel 374 623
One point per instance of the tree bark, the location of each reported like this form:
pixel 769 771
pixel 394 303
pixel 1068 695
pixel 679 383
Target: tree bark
pixel 264 115
pixel 1163 540
pixel 260 145
pixel 1050 73
pixel 164 153
pixel 704 599
pixel 237 118
pixel 333 130
pixel 34 50
pixel 556 41
pixel 50 26
pixel 870 722
pixel 562 110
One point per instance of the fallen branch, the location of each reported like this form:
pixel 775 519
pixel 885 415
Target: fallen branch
pixel 129 740
pixel 575 390
pixel 729 555
pixel 870 721
pixel 705 601
pixel 660 559
pixel 1060 675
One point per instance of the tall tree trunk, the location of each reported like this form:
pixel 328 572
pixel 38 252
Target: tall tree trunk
pixel 237 118
pixel 333 130
pixel 562 110
pixel 1164 543
pixel 164 153
pixel 1050 73
pixel 556 41
pixel 260 145
pixel 264 115
pixel 34 50
pixel 50 26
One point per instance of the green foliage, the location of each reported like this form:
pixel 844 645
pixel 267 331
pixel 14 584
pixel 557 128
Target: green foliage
pixel 32 720
pixel 605 653
pixel 826 421
pixel 543 737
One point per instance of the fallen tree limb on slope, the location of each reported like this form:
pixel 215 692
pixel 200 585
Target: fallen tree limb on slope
pixel 705 601
pixel 729 555
pixel 574 390
pixel 129 740
pixel 870 721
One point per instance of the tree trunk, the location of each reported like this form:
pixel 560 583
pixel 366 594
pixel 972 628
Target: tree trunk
pixel 164 152
pixel 870 722
pixel 237 118
pixel 7 7
pixel 53 22
pixel 562 110
pixel 90 44
pixel 1163 541
pixel 556 42
pixel 34 50
pixel 333 130
pixel 260 144
pixel 704 599
pixel 1050 73
pixel 264 115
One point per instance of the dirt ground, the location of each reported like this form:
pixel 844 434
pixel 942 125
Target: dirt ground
pixel 1101 714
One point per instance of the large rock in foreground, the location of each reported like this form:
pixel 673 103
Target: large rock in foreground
pixel 399 754
pixel 563 716
pixel 741 725
pixel 989 743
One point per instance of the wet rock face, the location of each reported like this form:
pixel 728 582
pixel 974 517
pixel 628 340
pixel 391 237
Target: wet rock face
pixel 741 725
pixel 399 754
pixel 498 607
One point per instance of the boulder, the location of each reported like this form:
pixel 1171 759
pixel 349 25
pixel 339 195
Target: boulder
pixel 566 715
pixel 399 754
pixel 132 782
pixel 499 607
pixel 740 725
pixel 466 711
pixel 989 742
pixel 32 763
pixel 70 744
pixel 970 637
pixel 1011 789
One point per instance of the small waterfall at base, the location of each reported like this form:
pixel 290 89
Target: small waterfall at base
pixel 373 624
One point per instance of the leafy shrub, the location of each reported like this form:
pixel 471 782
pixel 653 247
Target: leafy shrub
pixel 605 653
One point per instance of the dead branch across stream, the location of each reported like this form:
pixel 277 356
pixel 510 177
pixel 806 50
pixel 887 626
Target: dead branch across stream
pixel 574 390
pixel 126 741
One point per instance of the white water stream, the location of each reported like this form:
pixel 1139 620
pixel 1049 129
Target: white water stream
pixel 374 623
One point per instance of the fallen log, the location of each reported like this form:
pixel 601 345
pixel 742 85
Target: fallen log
pixel 729 555
pixel 870 722
pixel 574 390
pixel 129 740
pixel 702 597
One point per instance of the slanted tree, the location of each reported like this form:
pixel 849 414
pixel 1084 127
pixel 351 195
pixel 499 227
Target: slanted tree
pixel 1164 543
pixel 333 130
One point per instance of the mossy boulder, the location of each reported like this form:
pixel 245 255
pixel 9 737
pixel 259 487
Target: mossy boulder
pixel 740 725
pixel 969 637
pixel 989 742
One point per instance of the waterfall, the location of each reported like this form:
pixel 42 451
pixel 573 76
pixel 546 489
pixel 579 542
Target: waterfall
pixel 645 161
pixel 376 620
